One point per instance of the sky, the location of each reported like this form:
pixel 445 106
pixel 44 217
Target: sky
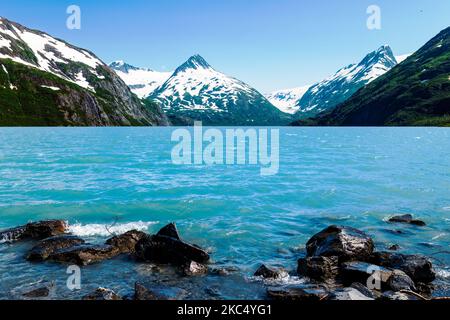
pixel 269 44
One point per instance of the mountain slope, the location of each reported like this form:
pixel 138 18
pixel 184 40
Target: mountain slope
pixel 328 93
pixel 415 93
pixel 196 91
pixel 45 81
pixel 142 82
pixel 286 100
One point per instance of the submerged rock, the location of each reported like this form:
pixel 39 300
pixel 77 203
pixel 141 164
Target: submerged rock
pixel 48 246
pixel 407 219
pixel 298 293
pixel 348 244
pixel 34 230
pixel 319 268
pixel 270 273
pixel 195 269
pixel 419 268
pixel 143 293
pixel 160 248
pixel 398 296
pixel 394 247
pixel 126 243
pixel 85 254
pixel 102 294
pixel 43 292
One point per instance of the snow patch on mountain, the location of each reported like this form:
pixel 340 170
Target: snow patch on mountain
pixel 286 100
pixel 140 80
pixel 402 57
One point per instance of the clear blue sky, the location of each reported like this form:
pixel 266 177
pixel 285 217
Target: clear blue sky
pixel 270 44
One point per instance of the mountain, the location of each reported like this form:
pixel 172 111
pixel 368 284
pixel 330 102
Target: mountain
pixel 286 100
pixel 45 81
pixel 328 93
pixel 196 91
pixel 415 93
pixel 141 81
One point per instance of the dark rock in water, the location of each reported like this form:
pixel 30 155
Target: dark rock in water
pixel 399 281
pixel 85 254
pixel 126 243
pixel 349 294
pixel 361 272
pixel 224 271
pixel 419 268
pixel 34 230
pixel 319 268
pixel 408 219
pixel 43 292
pixel 195 269
pixel 270 273
pixel 394 247
pixel 364 290
pixel 48 246
pixel 141 293
pixel 170 231
pixel 425 289
pixel 162 249
pixel 298 293
pixel 348 244
pixel 102 294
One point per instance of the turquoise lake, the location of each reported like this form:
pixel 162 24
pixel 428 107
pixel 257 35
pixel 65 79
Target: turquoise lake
pixel 104 180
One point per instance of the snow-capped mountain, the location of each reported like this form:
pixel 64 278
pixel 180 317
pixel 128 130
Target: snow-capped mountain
pixel 336 89
pixel 286 100
pixel 141 81
pixel 196 91
pixel 75 86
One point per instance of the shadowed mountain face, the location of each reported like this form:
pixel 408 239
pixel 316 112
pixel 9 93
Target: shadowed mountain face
pixel 328 93
pixel 45 81
pixel 415 93
pixel 196 91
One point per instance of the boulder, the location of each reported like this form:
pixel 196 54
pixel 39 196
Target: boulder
pixel 270 273
pixel 141 293
pixel 102 294
pixel 85 254
pixel 126 243
pixel 170 231
pixel 163 249
pixel 48 246
pixel 407 219
pixel 418 268
pixel 34 230
pixel 399 281
pixel 298 293
pixel 38 293
pixel 318 268
pixel 394 247
pixel 195 269
pixel 349 294
pixel 348 244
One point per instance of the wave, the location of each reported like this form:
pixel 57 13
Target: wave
pixel 105 230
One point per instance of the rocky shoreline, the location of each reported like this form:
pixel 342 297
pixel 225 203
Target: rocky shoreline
pixel 341 263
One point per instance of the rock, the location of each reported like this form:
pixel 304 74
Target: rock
pixel 349 294
pixel 48 246
pixel 419 268
pixel 408 219
pixel 394 247
pixel 351 272
pixel 364 290
pixel 348 244
pixel 270 273
pixel 425 288
pixel 43 292
pixel 399 281
pixel 298 293
pixel 102 294
pixel 398 296
pixel 34 230
pixel 126 243
pixel 141 293
pixel 85 254
pixel 195 269
pixel 318 268
pixel 224 271
pixel 170 231
pixel 163 249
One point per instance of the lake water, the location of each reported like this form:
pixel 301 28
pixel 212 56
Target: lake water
pixel 123 178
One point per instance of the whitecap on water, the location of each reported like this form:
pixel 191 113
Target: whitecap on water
pixel 104 230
